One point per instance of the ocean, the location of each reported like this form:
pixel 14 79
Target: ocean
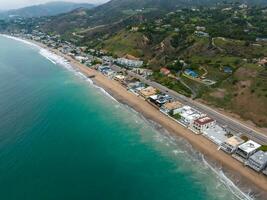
pixel 61 137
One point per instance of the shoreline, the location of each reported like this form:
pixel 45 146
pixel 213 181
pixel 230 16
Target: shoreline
pixel 201 144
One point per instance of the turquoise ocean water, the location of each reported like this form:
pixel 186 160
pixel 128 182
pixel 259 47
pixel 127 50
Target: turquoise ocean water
pixel 62 138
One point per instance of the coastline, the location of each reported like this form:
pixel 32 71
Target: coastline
pixel 203 145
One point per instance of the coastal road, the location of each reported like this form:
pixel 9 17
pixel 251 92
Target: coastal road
pixel 227 122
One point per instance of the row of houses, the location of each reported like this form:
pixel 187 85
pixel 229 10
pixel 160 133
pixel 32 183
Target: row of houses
pixel 246 152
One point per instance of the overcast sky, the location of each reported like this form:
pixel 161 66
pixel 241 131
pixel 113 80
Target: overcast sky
pixel 10 4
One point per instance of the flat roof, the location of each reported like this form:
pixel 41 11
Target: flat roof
pixel 216 133
pixel 259 157
pixel 234 141
pixel 149 91
pixel 204 120
pixel 249 146
pixel 173 105
pixel 189 113
pixel 120 77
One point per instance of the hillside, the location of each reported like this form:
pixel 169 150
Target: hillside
pixel 226 60
pixel 216 53
pixel 48 9
pixel 116 11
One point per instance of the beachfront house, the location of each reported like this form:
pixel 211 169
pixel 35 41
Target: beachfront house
pixel 102 68
pixel 160 99
pixel 171 107
pixel 216 134
pixel 265 171
pixel 120 78
pixel 188 115
pixel 231 144
pixel 258 161
pixel 147 92
pixel 203 124
pixel 245 150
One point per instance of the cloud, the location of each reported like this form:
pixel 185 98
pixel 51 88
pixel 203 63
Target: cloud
pixel 12 4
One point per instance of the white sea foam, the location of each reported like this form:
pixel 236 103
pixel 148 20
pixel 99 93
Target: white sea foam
pixel 20 40
pixel 56 59
pixel 228 183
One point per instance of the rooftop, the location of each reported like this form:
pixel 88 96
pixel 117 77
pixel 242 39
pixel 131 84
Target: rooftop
pixel 204 120
pixel 172 105
pixel 249 146
pixel 234 141
pixel 190 113
pixel 259 157
pixel 217 134
pixel 149 91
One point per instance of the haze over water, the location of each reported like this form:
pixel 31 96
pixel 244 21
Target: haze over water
pixel 63 138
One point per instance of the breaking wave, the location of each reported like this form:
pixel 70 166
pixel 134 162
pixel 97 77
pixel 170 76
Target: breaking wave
pixel 20 40
pixel 56 59
pixel 181 147
pixel 228 183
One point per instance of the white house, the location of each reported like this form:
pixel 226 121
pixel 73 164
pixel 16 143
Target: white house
pixel 188 115
pixel 258 161
pixel 245 150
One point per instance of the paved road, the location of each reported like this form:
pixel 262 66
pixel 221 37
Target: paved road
pixel 227 122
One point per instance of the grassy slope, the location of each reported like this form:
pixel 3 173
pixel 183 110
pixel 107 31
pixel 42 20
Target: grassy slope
pixel 244 92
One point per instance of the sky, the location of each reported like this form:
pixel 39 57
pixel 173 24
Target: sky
pixel 13 4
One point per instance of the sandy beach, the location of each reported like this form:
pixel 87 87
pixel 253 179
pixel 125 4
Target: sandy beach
pixel 203 145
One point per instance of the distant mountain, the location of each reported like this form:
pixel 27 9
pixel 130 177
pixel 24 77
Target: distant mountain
pixel 48 9
pixel 116 11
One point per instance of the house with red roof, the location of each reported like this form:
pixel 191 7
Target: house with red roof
pixel 203 124
pixel 165 71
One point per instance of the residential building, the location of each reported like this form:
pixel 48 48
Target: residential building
pixel 147 92
pixel 160 99
pixel 245 150
pixel 143 72
pixel 129 63
pixel 119 78
pixel 203 123
pixel 201 34
pixel 216 134
pixel 231 144
pixel 171 107
pixel 165 71
pixel 258 161
pixel 188 115
pixel 263 61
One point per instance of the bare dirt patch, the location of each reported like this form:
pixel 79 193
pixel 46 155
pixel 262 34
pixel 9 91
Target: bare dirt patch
pixel 219 93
